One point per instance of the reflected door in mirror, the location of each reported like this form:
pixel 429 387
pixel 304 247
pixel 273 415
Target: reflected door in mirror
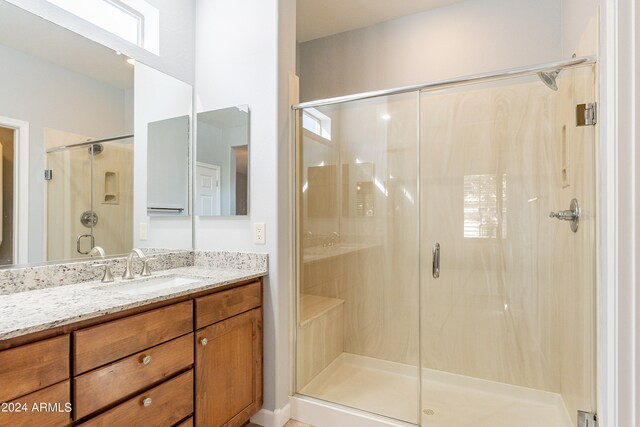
pixel 207 189
pixel 222 145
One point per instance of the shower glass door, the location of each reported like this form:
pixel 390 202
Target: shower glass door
pixel 507 329
pixel 90 199
pixel 357 338
pixel 69 199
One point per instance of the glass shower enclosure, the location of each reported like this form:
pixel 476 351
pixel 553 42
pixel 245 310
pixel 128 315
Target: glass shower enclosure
pixel 442 277
pixel 90 198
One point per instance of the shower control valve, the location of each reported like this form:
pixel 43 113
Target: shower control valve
pixel 572 215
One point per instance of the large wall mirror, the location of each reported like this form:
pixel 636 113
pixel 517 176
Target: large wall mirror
pixel 74 119
pixel 222 162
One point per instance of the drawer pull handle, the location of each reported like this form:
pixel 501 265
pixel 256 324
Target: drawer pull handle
pixel 204 342
pixel 147 402
pixel 146 359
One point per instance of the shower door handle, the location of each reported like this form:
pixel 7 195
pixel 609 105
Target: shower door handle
pixel 435 261
pixel 93 241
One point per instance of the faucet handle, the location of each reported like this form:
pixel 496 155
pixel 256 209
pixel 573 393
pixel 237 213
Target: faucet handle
pixel 107 277
pixel 146 270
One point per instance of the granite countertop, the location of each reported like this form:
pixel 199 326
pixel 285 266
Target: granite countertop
pixel 31 311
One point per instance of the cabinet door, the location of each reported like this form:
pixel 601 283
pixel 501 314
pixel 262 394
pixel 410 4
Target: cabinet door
pixel 229 370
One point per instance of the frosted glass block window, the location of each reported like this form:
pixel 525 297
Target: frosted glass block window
pixel 485 208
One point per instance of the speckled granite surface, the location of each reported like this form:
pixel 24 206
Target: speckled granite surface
pixel 45 276
pixel 37 298
pixel 37 310
pixel 234 260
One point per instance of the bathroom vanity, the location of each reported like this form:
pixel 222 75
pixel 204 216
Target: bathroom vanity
pixel 186 355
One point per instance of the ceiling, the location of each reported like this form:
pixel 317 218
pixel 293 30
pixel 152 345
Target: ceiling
pixel 321 18
pixel 26 32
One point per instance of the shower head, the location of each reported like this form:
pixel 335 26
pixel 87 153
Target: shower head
pixel 549 78
pixel 95 149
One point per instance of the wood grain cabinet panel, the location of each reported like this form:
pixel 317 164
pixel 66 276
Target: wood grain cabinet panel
pixel 186 423
pixel 34 366
pixel 161 406
pixel 229 370
pixel 105 343
pixel 222 305
pixel 99 388
pixel 49 407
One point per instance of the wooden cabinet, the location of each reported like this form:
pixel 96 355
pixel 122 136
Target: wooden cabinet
pixel 32 367
pixel 164 405
pixel 101 387
pixel 113 340
pixel 229 370
pixel 151 367
pixel 49 407
pixel 33 375
pixel 222 305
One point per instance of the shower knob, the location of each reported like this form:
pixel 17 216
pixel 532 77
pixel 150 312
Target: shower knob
pixel 89 219
pixel 572 215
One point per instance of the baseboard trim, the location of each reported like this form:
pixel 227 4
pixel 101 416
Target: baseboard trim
pixel 277 418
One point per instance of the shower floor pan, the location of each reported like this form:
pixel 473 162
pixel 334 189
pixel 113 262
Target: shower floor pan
pixel 449 400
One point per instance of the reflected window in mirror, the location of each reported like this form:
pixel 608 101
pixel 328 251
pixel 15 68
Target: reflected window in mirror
pixel 222 162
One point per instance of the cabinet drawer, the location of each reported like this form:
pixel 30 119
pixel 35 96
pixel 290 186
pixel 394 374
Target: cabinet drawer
pixel 101 387
pixel 222 305
pixel 168 403
pixel 49 407
pixel 105 343
pixel 186 423
pixel 33 366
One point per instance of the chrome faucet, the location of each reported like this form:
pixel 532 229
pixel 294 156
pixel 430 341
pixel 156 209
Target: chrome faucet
pixel 128 271
pixel 97 250
pixel 107 276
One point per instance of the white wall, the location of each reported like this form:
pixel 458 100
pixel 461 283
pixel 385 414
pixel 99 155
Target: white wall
pixel 619 235
pixel 469 37
pixel 236 64
pixel 157 96
pixel 177 37
pixel 50 96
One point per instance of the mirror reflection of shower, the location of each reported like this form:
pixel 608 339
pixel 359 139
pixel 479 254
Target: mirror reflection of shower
pixel 89 194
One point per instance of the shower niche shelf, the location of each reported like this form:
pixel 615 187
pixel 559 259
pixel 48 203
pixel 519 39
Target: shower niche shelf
pixel 110 188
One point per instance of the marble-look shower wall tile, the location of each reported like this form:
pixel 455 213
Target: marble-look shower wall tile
pixel 379 280
pixel 485 198
pixel 45 276
pixel 231 260
pixel 320 342
pixel 515 304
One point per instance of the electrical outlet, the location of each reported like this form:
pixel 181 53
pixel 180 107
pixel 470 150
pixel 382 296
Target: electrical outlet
pixel 143 231
pixel 259 233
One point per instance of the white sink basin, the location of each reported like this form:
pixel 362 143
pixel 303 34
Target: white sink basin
pixel 145 286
